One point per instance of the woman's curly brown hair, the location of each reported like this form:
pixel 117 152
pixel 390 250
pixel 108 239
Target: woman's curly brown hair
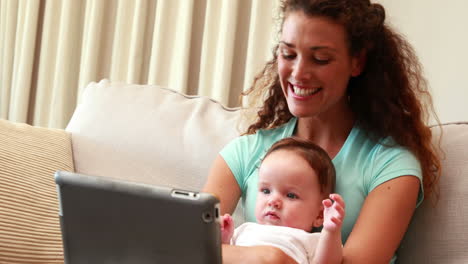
pixel 389 98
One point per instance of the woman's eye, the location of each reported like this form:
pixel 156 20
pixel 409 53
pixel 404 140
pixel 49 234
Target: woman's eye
pixel 321 61
pixel 288 56
pixel 265 191
pixel 292 196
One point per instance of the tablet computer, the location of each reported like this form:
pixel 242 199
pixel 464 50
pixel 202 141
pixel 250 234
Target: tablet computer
pixel 112 221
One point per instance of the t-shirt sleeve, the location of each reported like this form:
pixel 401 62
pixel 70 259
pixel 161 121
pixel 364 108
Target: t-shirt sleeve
pixel 235 154
pixel 392 162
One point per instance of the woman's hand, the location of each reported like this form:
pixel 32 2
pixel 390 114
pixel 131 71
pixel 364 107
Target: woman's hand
pixel 255 255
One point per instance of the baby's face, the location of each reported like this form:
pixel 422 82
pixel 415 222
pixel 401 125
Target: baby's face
pixel 288 192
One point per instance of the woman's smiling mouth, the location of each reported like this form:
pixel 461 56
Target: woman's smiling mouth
pixel 303 93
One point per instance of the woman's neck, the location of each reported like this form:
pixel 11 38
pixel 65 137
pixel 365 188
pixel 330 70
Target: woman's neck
pixel 329 132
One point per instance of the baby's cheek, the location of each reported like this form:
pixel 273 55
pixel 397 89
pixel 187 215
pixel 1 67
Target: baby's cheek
pixel 258 212
pixel 290 219
pixel 295 218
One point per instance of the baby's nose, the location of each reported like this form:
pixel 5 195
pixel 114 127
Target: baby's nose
pixel 275 201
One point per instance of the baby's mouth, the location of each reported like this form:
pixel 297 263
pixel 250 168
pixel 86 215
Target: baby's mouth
pixel 272 215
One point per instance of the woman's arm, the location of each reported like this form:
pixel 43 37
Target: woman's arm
pixel 382 222
pixel 221 182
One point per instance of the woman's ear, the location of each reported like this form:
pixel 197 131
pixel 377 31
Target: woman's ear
pixel 319 220
pixel 358 62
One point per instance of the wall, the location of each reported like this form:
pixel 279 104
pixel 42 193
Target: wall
pixel 439 32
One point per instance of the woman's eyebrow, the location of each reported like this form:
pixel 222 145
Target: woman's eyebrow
pixel 314 48
pixel 322 48
pixel 287 44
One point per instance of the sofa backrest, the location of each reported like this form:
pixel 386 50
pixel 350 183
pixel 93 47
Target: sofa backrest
pixel 439 234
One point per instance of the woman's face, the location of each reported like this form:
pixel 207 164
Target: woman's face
pixel 314 66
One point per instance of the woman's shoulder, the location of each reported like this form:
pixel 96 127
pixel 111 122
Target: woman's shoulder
pixel 366 142
pixel 367 151
pixel 382 152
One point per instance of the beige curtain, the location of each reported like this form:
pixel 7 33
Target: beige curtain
pixel 51 49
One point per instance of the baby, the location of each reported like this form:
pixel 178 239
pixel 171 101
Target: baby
pixel 295 181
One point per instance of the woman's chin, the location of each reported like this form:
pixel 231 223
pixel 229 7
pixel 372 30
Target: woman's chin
pixel 301 109
pixel 301 113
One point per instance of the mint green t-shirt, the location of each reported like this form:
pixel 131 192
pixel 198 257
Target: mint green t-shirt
pixel 361 165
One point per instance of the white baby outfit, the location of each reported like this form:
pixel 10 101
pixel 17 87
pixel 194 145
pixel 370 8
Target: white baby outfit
pixel 297 243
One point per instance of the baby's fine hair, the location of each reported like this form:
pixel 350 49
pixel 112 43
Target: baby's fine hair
pixel 315 156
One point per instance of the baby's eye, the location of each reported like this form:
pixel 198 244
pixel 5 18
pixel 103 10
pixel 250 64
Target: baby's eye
pixel 265 191
pixel 292 196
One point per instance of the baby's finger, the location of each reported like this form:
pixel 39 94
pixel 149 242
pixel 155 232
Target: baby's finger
pixel 327 203
pixel 339 209
pixel 227 219
pixel 336 220
pixel 338 199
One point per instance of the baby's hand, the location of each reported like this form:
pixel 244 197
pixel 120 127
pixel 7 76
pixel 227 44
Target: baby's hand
pixel 333 213
pixel 227 228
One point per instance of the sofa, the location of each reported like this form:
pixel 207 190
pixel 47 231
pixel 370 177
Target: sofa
pixel 155 135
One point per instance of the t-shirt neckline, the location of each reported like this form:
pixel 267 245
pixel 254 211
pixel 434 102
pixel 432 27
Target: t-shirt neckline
pixel 337 157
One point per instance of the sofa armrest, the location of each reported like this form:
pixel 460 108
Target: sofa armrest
pixel 29 222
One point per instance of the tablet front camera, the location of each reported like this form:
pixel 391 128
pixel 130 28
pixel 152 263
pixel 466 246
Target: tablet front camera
pixel 207 217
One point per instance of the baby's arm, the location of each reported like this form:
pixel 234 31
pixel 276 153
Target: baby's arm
pixel 329 248
pixel 227 228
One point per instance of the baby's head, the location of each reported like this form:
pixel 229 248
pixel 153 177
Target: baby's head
pixel 294 177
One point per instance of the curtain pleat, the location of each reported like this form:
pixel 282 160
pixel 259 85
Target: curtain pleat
pixel 171 44
pixel 67 63
pixel 50 50
pixel 257 51
pixel 23 59
pixel 137 42
pixel 7 28
pixel 92 37
pixel 220 32
pixel 47 49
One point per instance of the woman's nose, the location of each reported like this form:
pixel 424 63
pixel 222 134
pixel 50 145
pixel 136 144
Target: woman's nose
pixel 302 70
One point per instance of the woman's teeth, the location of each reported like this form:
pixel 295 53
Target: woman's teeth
pixel 305 92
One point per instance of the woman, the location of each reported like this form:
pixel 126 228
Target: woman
pixel 341 78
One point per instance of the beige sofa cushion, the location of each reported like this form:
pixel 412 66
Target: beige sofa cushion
pixel 440 234
pixel 29 223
